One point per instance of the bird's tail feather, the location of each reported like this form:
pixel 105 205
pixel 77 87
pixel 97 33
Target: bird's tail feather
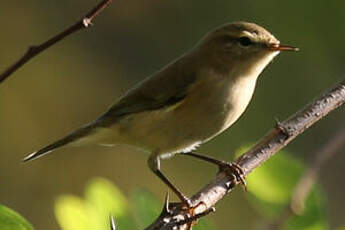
pixel 71 138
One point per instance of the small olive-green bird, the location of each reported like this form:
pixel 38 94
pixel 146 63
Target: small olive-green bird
pixel 188 102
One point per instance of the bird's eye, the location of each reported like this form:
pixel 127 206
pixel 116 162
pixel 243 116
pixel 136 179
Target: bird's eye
pixel 245 41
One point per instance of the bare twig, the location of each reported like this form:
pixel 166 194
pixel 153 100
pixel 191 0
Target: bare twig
pixel 276 139
pixel 34 50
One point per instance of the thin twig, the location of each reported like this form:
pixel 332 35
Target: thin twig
pixel 34 50
pixel 270 144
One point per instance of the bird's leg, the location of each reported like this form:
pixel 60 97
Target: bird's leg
pixel 179 194
pixel 231 169
pixel 154 164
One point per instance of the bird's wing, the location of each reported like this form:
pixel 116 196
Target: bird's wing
pixel 164 89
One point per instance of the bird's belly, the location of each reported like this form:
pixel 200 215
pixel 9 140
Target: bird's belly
pixel 157 131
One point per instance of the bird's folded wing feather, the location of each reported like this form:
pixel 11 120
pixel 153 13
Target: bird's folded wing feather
pixel 163 89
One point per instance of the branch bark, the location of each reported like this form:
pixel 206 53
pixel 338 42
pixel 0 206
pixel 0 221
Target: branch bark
pixel 34 50
pixel 174 216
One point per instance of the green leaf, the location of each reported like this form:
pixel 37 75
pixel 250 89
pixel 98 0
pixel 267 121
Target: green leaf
pixel 104 196
pixel 72 213
pixel 10 220
pixel 102 199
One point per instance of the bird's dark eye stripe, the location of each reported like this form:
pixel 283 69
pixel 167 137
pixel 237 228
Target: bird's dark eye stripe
pixel 245 41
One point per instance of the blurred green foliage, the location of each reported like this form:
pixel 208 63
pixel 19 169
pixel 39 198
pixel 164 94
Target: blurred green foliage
pixel 314 216
pixel 10 220
pixel 271 187
pixel 102 199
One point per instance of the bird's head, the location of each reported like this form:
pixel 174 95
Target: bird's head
pixel 240 46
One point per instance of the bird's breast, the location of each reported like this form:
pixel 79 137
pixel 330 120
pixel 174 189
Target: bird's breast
pixel 216 105
pixel 239 95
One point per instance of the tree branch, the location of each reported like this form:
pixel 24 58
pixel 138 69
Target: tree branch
pixel 34 50
pixel 173 215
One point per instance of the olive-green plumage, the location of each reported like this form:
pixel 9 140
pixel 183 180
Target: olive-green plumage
pixel 189 101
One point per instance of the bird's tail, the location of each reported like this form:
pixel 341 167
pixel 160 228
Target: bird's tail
pixel 73 138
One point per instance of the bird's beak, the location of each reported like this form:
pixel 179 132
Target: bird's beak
pixel 279 47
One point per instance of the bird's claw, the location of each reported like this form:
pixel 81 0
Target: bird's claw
pixel 192 218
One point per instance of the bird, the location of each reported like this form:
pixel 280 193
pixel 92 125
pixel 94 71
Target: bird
pixel 186 103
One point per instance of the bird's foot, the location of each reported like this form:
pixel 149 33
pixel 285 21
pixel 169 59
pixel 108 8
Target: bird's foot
pixel 191 217
pixel 233 170
pixel 186 202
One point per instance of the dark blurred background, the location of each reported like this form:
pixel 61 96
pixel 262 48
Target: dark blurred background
pixel 76 80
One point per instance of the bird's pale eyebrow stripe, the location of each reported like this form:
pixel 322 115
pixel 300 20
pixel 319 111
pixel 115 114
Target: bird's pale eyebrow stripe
pixel 255 32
